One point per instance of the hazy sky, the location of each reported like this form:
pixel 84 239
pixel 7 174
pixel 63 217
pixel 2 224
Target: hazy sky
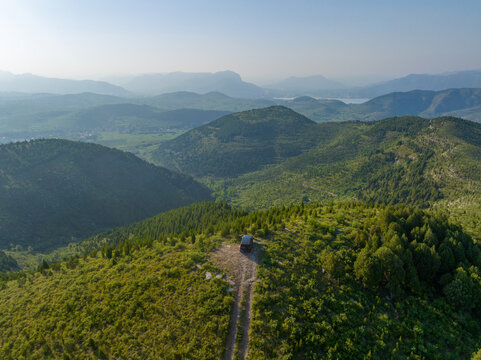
pixel 260 39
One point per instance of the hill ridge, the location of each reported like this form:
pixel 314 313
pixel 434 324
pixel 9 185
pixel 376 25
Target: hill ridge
pixel 53 190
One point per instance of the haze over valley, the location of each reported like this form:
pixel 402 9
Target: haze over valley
pixel 223 180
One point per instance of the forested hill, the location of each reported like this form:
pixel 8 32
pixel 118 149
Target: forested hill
pixel 435 162
pixel 349 280
pixel 240 142
pixel 465 103
pixel 426 162
pixel 53 191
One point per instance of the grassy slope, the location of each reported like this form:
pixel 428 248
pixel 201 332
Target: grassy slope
pixel 142 294
pixel 153 304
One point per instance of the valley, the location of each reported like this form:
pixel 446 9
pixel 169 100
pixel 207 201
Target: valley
pixel 226 180
pixel 362 229
pixel 122 242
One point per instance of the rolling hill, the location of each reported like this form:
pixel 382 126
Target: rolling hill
pixel 55 191
pixel 462 102
pixel 432 163
pixel 239 143
pixel 426 162
pixel 31 103
pixel 420 103
pixel 68 114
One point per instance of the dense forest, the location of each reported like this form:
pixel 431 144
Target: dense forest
pixel 427 163
pixel 422 162
pixel 357 281
pixel 239 143
pixel 336 280
pixel 53 192
pixel 7 263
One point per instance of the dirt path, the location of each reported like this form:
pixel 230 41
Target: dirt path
pixel 241 268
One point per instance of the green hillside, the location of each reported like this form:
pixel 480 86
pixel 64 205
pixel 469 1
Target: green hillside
pixel 240 143
pixel 463 103
pixel 400 160
pixel 336 281
pixel 7 263
pixel 273 156
pixel 359 282
pixel 141 293
pixel 54 191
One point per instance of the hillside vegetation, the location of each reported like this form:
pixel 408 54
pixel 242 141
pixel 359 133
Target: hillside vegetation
pixel 7 263
pixel 430 104
pixel 141 293
pixel 56 191
pixel 336 281
pixel 400 160
pixel 424 162
pixel 353 281
pixel 240 143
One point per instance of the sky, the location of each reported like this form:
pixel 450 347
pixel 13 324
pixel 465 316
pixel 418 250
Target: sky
pixel 262 40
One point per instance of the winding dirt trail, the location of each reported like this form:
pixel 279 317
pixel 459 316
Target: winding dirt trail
pixel 241 269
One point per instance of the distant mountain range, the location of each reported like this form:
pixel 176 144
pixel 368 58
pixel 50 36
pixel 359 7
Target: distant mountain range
pixel 226 82
pixel 231 84
pixel 135 124
pixel 29 83
pixel 460 79
pixel 319 86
